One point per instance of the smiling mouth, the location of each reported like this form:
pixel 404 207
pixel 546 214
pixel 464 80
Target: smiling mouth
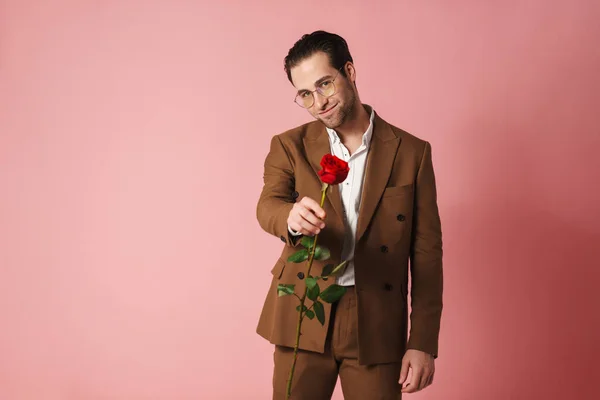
pixel 328 110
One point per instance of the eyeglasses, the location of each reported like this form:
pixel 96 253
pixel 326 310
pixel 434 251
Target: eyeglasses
pixel 326 89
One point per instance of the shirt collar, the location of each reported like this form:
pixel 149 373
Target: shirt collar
pixel 366 138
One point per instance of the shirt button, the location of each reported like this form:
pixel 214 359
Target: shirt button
pixel 400 217
pixel 384 249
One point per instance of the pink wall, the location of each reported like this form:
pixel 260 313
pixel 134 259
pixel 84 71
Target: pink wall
pixel 132 137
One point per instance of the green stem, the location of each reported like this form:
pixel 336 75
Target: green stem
pixel 300 316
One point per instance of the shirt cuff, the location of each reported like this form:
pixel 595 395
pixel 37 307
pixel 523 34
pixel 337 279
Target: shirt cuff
pixel 293 232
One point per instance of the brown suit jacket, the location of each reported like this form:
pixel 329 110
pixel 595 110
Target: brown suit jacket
pixel 398 221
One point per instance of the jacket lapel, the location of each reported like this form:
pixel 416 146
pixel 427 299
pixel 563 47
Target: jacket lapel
pixel 380 159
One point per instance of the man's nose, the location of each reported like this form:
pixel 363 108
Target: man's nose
pixel 320 101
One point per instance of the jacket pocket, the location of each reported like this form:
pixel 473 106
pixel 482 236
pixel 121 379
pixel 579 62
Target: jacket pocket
pixel 278 268
pixel 397 190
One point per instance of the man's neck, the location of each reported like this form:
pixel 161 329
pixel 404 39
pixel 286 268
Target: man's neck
pixel 356 124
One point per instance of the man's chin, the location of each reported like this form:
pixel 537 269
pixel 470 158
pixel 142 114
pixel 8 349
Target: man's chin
pixel 330 123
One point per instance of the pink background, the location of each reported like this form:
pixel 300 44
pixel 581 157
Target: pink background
pixel 132 141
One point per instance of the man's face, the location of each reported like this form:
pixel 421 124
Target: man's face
pixel 309 74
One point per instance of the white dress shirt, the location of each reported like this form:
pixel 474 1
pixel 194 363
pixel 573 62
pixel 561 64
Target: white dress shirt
pixel 351 191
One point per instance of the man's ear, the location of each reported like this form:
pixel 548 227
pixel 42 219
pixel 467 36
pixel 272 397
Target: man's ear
pixel 350 72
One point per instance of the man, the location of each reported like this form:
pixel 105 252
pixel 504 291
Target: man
pixel 382 215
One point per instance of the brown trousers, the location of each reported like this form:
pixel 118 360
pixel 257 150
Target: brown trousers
pixel 316 374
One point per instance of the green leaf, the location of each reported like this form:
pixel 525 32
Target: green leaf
pixel 307 241
pixel 310 282
pixel 313 292
pixel 322 253
pixel 327 270
pixel 333 293
pixel 310 314
pixel 299 256
pixel 319 312
pixel 304 308
pixel 284 290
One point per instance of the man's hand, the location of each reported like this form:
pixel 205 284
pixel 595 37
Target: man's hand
pixel 422 365
pixel 304 217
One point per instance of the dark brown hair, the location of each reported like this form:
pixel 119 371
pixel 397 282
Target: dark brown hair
pixel 331 44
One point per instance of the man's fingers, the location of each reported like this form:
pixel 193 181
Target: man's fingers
pixel 307 225
pixel 300 221
pixel 303 227
pixel 430 380
pixel 303 219
pixel 313 206
pixel 404 371
pixel 424 379
pixel 415 381
pixel 298 228
pixel 311 218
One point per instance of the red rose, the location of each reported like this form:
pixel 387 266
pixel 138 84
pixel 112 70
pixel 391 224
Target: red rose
pixel 334 170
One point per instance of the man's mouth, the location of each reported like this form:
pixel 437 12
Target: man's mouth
pixel 328 110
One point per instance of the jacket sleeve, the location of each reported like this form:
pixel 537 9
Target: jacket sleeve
pixel 426 262
pixel 275 201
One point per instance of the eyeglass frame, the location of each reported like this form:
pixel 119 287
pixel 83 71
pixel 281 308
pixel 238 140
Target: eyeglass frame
pixel 312 92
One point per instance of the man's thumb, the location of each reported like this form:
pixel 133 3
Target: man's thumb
pixel 404 371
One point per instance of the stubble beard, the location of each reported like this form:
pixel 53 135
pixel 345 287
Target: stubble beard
pixel 341 114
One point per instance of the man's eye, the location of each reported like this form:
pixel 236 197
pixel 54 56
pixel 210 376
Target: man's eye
pixel 304 94
pixel 325 84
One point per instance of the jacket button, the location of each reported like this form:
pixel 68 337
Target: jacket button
pixel 384 249
pixel 388 286
pixel 400 217
pixel 282 239
pixel 300 275
pixel 295 194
